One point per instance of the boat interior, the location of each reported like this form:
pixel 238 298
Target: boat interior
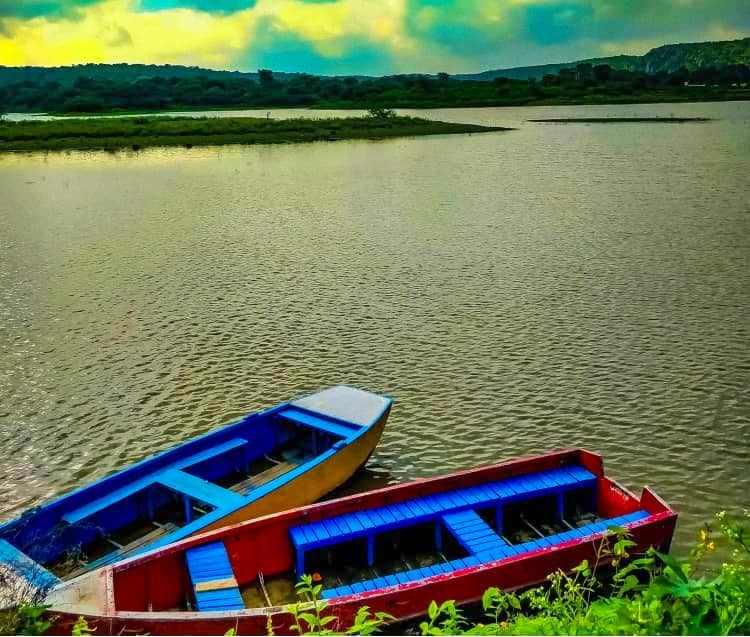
pixel 392 544
pixel 119 516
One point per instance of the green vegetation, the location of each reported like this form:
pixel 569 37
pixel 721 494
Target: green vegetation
pixel 21 599
pixel 696 55
pixel 310 620
pixel 654 594
pixel 584 84
pixel 112 133
pixel 26 619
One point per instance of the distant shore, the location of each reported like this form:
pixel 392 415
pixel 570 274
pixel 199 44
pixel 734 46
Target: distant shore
pixel 619 120
pixel 114 133
pixel 348 106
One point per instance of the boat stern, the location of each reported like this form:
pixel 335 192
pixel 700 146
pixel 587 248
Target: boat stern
pixel 349 404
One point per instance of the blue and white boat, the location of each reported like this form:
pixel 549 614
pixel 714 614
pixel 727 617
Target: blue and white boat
pixel 284 457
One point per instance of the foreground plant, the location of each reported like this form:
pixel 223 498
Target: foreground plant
pixel 648 595
pixel 309 617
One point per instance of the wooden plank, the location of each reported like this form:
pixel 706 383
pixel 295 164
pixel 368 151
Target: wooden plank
pixel 215 585
pixel 124 551
pixel 146 539
pixel 259 479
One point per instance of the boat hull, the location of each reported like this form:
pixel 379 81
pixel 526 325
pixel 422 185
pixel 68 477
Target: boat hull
pixel 103 605
pixel 315 483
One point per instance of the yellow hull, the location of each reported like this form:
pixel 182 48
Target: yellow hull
pixel 313 484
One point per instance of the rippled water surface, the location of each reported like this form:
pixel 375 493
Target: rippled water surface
pixel 554 286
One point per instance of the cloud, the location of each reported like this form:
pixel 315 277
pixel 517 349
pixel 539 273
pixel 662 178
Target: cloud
pixel 353 36
pixel 35 8
pixel 209 6
pixel 114 31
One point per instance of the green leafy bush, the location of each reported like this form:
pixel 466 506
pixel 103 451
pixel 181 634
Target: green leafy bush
pixel 654 594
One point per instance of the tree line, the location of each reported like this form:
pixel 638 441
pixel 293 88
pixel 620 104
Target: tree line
pixel 584 84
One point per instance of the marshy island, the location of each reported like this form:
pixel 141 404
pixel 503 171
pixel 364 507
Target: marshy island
pixel 114 133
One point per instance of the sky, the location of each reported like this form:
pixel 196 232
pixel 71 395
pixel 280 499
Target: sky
pixel 341 37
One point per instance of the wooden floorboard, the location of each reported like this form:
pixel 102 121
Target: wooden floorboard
pixel 263 477
pixel 129 548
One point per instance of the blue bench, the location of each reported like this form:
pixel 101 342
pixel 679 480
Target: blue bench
pixel 338 429
pixel 202 490
pixel 471 531
pixel 95 506
pixel 212 578
pixel 366 524
pixel 230 445
pixel 491 555
pixel 21 564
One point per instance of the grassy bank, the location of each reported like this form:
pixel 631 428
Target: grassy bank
pixel 141 132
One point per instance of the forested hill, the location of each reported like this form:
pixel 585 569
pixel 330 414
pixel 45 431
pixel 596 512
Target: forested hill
pixel 671 57
pixel 668 58
pixel 619 62
pixel 116 73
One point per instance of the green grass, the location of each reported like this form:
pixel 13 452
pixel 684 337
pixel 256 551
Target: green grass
pixel 141 132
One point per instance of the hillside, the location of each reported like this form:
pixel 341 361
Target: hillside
pixel 619 62
pixel 671 57
pixel 668 58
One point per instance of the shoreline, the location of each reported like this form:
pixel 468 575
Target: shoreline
pixel 135 133
pixel 619 120
pixel 175 112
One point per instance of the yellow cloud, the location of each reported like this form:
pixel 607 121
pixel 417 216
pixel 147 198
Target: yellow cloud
pixel 117 31
pixel 113 31
pixel 331 27
pixel 11 53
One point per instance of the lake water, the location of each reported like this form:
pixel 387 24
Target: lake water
pixel 553 286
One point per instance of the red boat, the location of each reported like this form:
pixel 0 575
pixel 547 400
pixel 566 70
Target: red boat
pixel 393 550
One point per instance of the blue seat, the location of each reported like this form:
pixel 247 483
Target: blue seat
pixel 212 578
pixel 491 555
pixel 23 565
pixel 95 506
pixel 367 523
pixel 225 447
pixel 338 429
pixel 199 489
pixel 471 531
pixel 194 488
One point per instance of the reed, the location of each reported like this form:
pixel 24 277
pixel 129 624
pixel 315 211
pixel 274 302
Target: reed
pixel 113 133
